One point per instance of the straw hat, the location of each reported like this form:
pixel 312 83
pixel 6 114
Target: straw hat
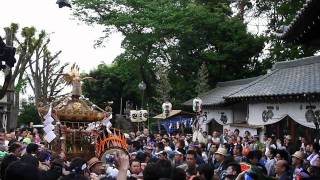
pixel 299 155
pixel 222 151
pixel 93 161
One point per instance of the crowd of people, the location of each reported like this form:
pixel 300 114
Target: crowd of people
pixel 152 156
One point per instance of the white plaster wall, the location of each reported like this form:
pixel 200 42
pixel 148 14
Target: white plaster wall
pixel 216 114
pixel 295 110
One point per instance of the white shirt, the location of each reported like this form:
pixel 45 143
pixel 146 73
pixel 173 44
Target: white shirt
pixel 167 149
pixel 312 158
pixel 216 140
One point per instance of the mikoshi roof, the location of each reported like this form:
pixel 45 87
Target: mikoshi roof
pixel 73 110
pixel 296 77
pixel 172 113
pixel 215 96
pixel 305 26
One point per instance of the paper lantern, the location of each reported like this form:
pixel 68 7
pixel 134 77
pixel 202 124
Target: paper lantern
pixel 197 105
pixel 134 116
pixel 166 108
pixel 143 115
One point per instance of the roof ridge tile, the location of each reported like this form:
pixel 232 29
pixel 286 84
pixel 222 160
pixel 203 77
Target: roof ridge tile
pixel 253 83
pixel 297 62
pixel 237 82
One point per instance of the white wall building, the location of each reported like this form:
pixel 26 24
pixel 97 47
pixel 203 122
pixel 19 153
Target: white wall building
pixel 284 101
pixel 221 115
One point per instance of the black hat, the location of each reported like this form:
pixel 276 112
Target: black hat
pixel 141 157
pixel 180 151
pixel 254 154
pixel 32 148
pixel 44 156
pixel 30 159
pixel 77 165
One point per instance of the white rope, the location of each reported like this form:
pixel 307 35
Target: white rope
pixel 4 121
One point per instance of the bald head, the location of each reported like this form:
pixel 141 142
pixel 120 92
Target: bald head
pixel 281 167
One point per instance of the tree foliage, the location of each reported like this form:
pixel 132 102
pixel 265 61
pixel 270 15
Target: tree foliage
pixel 29 113
pixel 36 66
pixel 112 82
pixel 26 47
pixel 181 34
pixel 202 81
pixel 278 14
pixel 163 87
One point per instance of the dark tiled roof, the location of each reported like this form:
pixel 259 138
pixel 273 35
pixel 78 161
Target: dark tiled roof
pixel 305 24
pixel 300 76
pixel 215 96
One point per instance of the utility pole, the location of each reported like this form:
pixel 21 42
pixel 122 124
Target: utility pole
pixel 121 106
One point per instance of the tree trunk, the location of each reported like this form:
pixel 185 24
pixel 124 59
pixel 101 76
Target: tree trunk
pixel 26 51
pixel 241 9
pixel 15 110
pixel 12 110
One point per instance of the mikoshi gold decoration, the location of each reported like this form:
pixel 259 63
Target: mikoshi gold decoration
pixel 73 115
pixel 110 143
pixel 74 108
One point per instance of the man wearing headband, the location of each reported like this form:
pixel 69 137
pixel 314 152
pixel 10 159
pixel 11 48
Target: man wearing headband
pixel 178 157
pixel 135 169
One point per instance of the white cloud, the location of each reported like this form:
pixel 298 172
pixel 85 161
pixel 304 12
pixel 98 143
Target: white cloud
pixel 73 37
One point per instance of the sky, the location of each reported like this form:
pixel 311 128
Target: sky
pixel 73 37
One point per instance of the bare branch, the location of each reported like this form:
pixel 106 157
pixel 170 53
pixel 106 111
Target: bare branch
pixel 30 82
pixel 55 92
pixel 17 66
pixel 44 46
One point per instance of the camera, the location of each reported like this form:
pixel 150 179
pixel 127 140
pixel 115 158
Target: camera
pixel 110 159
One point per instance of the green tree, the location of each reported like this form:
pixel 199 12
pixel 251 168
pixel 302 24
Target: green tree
pixel 202 80
pixel 112 82
pixel 182 34
pixel 29 113
pixel 279 13
pixel 26 47
pixel 163 87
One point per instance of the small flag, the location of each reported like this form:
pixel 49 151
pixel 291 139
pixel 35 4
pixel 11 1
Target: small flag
pixel 50 136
